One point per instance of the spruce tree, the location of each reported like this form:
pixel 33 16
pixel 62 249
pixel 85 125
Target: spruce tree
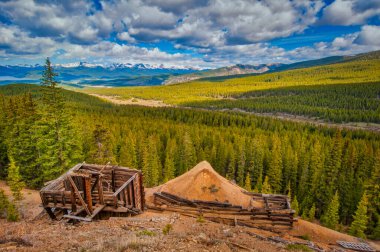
pixel 247 184
pixel 331 217
pixel 311 214
pixel 359 225
pixel 151 164
pixel 101 151
pixel 57 140
pixel 169 165
pixel 266 187
pixel 189 154
pixel 275 165
pixel 14 180
pixel 295 205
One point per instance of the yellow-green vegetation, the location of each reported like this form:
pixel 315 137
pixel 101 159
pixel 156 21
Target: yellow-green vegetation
pixel 146 232
pixel 166 230
pixel 200 219
pixel 344 73
pixel 298 247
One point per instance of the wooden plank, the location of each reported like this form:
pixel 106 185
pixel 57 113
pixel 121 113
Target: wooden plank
pixel 78 194
pixel 97 210
pixel 68 216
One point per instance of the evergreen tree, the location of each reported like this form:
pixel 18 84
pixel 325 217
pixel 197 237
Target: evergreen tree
pixel 328 183
pixel 373 189
pixel 275 166
pixel 331 217
pixel 311 214
pixel 101 151
pixel 231 169
pixel 247 184
pixel 57 143
pixel 14 180
pixel 151 163
pixel 359 225
pixel 128 152
pixel 189 154
pixel 169 167
pixel 3 204
pixel 295 205
pixel 266 188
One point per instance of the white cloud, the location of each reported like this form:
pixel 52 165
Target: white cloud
pixel 369 35
pixel 126 37
pixel 350 12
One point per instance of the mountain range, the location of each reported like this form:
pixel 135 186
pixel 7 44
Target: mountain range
pixel 86 74
pixel 81 74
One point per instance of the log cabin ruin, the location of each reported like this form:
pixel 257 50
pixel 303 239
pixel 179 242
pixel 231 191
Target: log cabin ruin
pixel 87 190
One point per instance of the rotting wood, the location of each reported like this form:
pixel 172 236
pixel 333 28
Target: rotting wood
pixel 276 210
pixel 86 190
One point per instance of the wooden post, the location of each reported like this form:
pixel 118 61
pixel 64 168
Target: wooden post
pixel 73 200
pixel 87 186
pixel 100 189
pixel 78 194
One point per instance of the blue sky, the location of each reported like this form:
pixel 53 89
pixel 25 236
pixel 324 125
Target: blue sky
pixel 196 33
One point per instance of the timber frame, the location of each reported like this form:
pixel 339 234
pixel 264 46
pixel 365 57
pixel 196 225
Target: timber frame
pixel 89 189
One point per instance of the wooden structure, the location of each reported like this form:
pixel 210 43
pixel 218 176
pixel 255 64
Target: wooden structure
pixel 88 189
pixel 276 209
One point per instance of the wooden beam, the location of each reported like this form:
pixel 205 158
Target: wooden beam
pixel 68 216
pixel 124 185
pixel 78 194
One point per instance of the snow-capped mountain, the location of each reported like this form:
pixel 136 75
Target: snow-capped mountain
pixel 84 73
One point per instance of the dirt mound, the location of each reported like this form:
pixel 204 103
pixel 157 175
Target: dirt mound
pixel 203 183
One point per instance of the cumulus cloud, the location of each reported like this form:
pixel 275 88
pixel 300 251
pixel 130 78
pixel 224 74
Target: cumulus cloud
pixel 211 33
pixel 350 12
pixel 369 35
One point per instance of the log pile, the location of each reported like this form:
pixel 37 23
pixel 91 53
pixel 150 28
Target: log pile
pixel 276 210
pixel 87 189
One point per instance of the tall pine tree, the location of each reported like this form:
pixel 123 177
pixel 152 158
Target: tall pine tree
pixel 331 217
pixel 57 140
pixel 359 225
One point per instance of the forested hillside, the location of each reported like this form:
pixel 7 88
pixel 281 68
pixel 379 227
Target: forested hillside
pixel 344 92
pixel 266 155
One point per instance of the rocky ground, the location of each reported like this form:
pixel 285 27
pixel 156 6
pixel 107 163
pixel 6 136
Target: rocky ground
pixel 151 232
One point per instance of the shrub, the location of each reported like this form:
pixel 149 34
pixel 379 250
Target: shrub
pixel 166 230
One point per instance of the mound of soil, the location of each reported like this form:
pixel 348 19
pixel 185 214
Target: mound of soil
pixel 203 183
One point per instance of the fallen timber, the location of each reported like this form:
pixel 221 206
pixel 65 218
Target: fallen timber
pixel 87 190
pixel 276 210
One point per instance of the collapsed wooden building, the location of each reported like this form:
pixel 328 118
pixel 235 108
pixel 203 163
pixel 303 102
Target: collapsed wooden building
pixel 87 190
pixel 276 210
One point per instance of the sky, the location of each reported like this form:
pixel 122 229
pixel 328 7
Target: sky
pixel 195 33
